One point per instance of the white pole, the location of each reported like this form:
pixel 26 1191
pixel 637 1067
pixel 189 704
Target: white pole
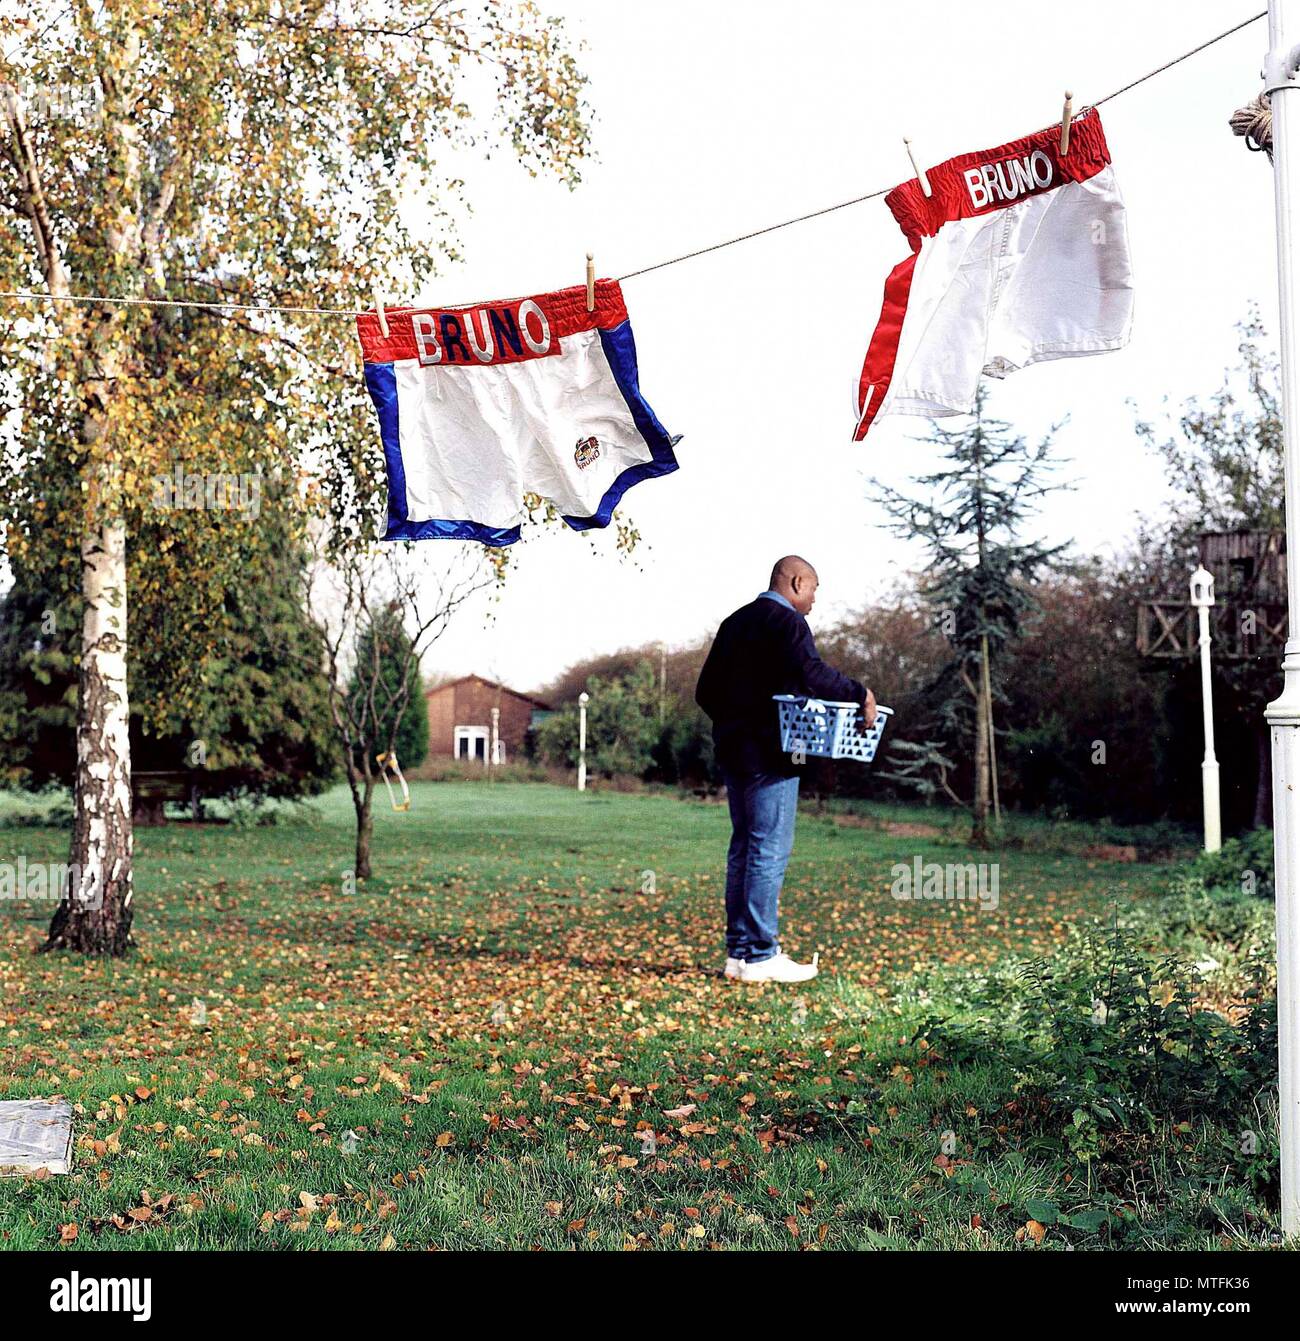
pixel 582 741
pixel 1283 715
pixel 496 737
pixel 1203 599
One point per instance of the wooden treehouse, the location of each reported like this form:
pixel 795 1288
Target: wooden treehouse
pixel 1248 618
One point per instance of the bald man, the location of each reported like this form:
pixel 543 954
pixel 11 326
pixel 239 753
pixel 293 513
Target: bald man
pixel 765 648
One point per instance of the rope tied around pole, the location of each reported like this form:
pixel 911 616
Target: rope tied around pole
pixel 1254 123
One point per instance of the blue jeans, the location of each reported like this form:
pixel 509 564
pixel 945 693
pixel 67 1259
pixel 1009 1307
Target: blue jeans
pixel 762 833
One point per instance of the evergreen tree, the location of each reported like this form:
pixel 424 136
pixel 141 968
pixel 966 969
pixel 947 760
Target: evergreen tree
pixel 970 517
pixel 385 649
pixel 254 718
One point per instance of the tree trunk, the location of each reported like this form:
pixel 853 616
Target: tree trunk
pixel 1263 777
pixel 95 914
pixel 365 830
pixel 979 834
pixel 986 684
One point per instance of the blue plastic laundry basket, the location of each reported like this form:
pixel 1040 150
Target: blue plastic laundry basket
pixel 828 730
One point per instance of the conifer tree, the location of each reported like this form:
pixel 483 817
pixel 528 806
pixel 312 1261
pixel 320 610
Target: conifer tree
pixel 970 514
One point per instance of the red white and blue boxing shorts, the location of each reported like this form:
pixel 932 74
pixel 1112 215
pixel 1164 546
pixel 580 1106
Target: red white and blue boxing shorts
pixel 481 405
pixel 1019 254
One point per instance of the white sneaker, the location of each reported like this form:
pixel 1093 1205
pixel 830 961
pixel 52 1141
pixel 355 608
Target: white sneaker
pixel 731 969
pixel 780 968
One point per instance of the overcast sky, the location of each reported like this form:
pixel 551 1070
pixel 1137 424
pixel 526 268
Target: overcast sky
pixel 713 118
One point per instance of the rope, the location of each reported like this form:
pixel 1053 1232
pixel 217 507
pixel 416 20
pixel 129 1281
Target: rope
pixel 1254 122
pixel 31 296
pixel 1177 60
pixel 34 296
pixel 758 232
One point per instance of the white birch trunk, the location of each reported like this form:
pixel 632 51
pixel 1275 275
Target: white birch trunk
pixel 96 915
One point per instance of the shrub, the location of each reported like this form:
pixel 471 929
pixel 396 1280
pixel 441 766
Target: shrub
pixel 1107 1038
pixel 1242 864
pixel 1124 1040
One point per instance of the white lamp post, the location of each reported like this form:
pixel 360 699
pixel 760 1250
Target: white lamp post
pixel 582 740
pixel 1283 714
pixel 495 752
pixel 1202 599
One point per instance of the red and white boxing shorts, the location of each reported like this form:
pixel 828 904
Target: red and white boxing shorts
pixel 481 405
pixel 1019 254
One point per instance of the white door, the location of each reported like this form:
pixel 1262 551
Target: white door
pixel 471 742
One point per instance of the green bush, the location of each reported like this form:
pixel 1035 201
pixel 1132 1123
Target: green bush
pixel 1242 864
pixel 383 649
pixel 1124 1040
pixel 1194 920
pixel 1107 1038
pixel 622 726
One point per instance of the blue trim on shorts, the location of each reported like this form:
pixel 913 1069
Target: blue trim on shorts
pixel 382 382
pixel 620 353
pixel 437 529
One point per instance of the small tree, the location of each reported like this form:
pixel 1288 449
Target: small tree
pixel 377 612
pixel 977 585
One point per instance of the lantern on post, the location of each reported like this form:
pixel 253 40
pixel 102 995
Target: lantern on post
pixel 1202 585
pixel 583 699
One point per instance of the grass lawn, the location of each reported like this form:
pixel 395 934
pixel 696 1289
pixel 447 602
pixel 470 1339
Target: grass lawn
pixel 520 1019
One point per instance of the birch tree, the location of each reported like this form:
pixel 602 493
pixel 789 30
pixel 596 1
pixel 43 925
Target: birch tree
pixel 247 152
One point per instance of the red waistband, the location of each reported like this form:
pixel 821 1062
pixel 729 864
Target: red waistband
pixel 491 332
pixel 991 179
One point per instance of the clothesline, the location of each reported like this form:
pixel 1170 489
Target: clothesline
pixel 24 295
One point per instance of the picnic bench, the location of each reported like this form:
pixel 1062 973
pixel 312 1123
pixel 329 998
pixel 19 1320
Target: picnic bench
pixel 150 792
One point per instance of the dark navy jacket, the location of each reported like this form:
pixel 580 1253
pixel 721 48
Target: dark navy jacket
pixel 765 648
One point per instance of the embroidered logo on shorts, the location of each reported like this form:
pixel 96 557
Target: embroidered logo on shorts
pixel 587 451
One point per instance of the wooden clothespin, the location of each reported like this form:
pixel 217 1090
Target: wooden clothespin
pixel 1066 116
pixel 591 283
pixel 920 176
pixel 378 292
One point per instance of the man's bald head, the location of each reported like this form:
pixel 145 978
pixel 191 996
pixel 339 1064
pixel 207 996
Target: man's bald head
pixel 796 580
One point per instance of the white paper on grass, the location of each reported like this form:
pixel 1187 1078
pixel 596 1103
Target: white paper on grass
pixel 35 1134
